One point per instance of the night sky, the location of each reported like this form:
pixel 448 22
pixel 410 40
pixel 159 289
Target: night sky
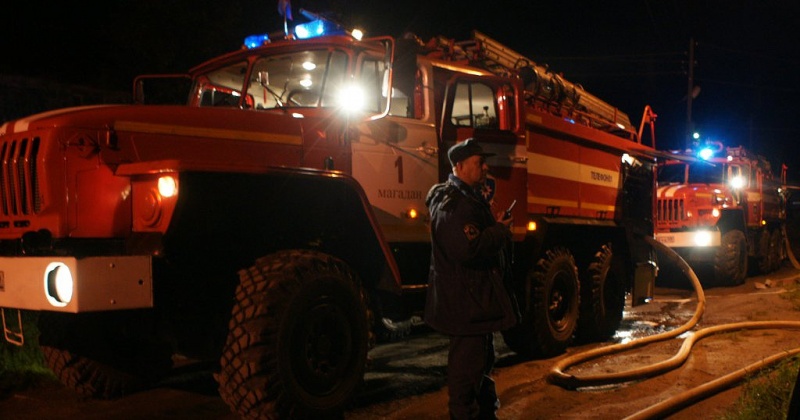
pixel 628 53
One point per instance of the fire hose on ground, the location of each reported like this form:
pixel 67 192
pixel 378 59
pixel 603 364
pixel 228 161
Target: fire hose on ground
pixel 559 376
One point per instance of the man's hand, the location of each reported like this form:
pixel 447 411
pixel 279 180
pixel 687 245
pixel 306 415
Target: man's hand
pixel 503 218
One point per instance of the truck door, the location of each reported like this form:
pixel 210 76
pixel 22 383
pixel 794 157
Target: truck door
pixel 756 198
pixel 741 185
pixel 394 158
pixel 489 109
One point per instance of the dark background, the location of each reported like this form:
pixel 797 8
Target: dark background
pixel 628 53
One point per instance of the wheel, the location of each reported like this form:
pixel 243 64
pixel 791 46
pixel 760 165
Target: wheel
pixel 730 262
pixel 602 299
pixel 550 314
pixel 771 250
pixel 103 355
pixel 776 249
pixel 297 341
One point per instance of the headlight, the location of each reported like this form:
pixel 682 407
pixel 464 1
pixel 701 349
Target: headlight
pixel 167 186
pixel 154 201
pixel 58 284
pixel 737 182
pixel 702 238
pixel 352 98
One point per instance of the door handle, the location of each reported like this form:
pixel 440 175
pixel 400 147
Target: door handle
pixel 428 151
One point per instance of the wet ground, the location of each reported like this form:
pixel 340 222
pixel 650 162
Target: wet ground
pixel 406 379
pixel 418 364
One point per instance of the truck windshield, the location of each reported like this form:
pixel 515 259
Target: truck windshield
pixel 309 78
pixel 706 173
pixel 671 174
pixel 699 173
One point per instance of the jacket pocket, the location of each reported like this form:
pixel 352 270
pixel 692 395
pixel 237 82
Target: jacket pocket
pixel 486 296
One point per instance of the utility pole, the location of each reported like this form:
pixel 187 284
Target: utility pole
pixel 689 94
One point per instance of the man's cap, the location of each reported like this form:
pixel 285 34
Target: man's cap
pixel 465 149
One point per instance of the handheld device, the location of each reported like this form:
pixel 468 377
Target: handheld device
pixel 507 214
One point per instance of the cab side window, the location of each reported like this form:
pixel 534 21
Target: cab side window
pixel 474 106
pixel 222 87
pixel 373 78
pixel 737 177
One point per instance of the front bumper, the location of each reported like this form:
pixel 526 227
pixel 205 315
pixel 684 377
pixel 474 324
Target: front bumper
pixel 692 239
pixel 99 283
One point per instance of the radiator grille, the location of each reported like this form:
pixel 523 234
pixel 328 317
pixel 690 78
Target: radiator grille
pixel 19 181
pixel 671 210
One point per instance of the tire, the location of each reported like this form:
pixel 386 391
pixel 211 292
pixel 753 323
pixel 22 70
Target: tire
pixel 602 299
pixel 730 262
pixel 103 355
pixel 550 314
pixel 297 341
pixel 766 255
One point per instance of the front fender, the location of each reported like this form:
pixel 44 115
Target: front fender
pixel 233 218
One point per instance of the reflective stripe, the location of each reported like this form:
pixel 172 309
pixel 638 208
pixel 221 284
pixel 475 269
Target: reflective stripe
pixel 567 203
pixel 179 130
pixel 669 192
pixel 539 164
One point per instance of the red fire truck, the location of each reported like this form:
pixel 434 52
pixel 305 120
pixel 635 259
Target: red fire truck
pixel 276 222
pixel 720 207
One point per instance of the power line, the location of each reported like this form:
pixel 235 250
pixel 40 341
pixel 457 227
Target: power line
pixel 626 74
pixel 750 85
pixel 613 56
pixel 750 53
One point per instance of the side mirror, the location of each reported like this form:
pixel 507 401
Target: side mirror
pixel 386 83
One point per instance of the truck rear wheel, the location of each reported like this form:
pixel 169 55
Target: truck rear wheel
pixel 551 307
pixel 298 335
pixel 767 254
pixel 103 355
pixel 602 299
pixel 730 262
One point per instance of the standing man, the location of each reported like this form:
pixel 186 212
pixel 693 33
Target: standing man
pixel 466 298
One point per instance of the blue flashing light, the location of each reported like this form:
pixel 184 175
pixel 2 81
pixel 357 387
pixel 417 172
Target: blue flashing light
pixel 255 41
pixel 313 29
pixel 569 120
pixel 705 153
pixel 317 28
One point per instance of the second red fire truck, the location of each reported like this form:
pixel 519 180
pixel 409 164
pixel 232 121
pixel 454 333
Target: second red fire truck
pixel 275 222
pixel 721 207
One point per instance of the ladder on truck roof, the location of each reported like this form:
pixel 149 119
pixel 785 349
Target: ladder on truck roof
pixel 543 84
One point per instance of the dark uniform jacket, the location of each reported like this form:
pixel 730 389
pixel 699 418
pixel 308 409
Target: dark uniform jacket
pixel 466 295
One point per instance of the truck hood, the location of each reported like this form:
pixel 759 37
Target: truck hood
pixel 690 191
pixel 47 119
pixel 107 116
